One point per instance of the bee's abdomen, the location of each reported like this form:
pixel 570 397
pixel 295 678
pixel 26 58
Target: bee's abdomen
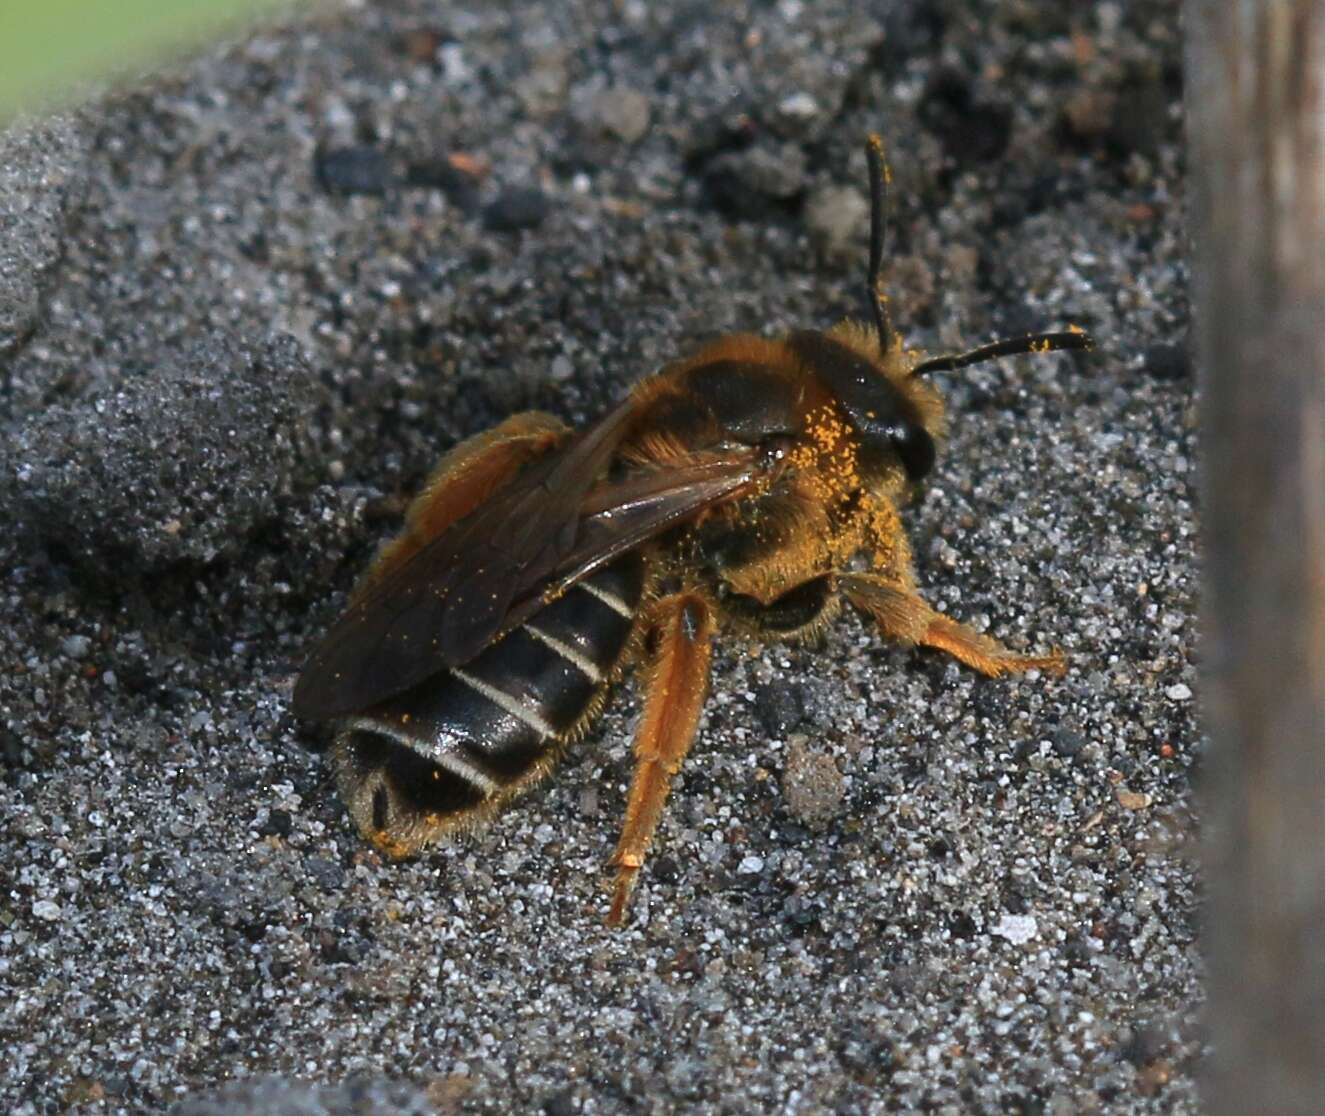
pixel 426 757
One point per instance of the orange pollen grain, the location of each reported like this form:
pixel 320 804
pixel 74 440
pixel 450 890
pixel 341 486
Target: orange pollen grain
pixel 827 459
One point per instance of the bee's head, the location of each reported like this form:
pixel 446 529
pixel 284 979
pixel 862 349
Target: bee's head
pixel 897 419
pixel 879 384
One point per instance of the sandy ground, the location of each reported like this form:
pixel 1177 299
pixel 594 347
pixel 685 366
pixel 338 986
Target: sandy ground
pixel 245 306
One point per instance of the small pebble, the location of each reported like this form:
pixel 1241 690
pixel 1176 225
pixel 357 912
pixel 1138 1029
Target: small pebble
pixel 1132 800
pixel 834 216
pixel 46 909
pixel 76 646
pixel 813 786
pixel 517 208
pixel 1168 362
pixel 327 874
pixel 1018 929
pixel 799 107
pixel 352 170
pixel 623 112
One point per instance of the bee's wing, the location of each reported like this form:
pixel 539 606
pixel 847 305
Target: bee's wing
pixel 621 516
pixel 422 615
pixel 451 598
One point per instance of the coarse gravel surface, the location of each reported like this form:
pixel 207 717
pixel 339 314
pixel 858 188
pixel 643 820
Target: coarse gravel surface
pixel 245 305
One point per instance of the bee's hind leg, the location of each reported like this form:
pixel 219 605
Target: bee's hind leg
pixel 904 616
pixel 680 643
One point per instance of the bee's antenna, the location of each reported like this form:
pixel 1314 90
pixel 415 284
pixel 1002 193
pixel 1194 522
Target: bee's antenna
pixel 1070 338
pixel 879 177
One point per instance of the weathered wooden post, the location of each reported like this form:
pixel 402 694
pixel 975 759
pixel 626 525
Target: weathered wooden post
pixel 1256 115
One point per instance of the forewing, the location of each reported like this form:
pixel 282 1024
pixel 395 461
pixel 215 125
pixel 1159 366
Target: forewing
pixel 491 571
pixel 444 604
pixel 617 518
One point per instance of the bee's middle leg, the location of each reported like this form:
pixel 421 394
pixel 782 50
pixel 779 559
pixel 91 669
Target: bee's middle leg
pixel 675 682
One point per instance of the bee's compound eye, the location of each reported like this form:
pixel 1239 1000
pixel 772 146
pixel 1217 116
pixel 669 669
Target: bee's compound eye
pixel 914 446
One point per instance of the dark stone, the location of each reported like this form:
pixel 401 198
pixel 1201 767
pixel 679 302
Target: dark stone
pixel 279 823
pixel 1068 743
pixel 353 170
pixel 961 925
pixel 561 1103
pixel 779 707
pixel 516 209
pixel 1166 362
pixel 11 747
pixel 327 874
pixel 971 130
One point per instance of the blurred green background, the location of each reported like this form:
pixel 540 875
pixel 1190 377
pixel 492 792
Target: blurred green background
pixel 49 47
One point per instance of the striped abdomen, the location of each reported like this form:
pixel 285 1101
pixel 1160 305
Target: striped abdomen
pixel 438 755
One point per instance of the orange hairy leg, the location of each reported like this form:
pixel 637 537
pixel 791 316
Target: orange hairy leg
pixel 675 684
pixel 903 616
pixel 462 480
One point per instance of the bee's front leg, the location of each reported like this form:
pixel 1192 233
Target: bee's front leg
pixel 904 616
pixel 675 683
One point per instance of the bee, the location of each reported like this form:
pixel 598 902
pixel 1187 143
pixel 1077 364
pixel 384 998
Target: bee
pixel 754 486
